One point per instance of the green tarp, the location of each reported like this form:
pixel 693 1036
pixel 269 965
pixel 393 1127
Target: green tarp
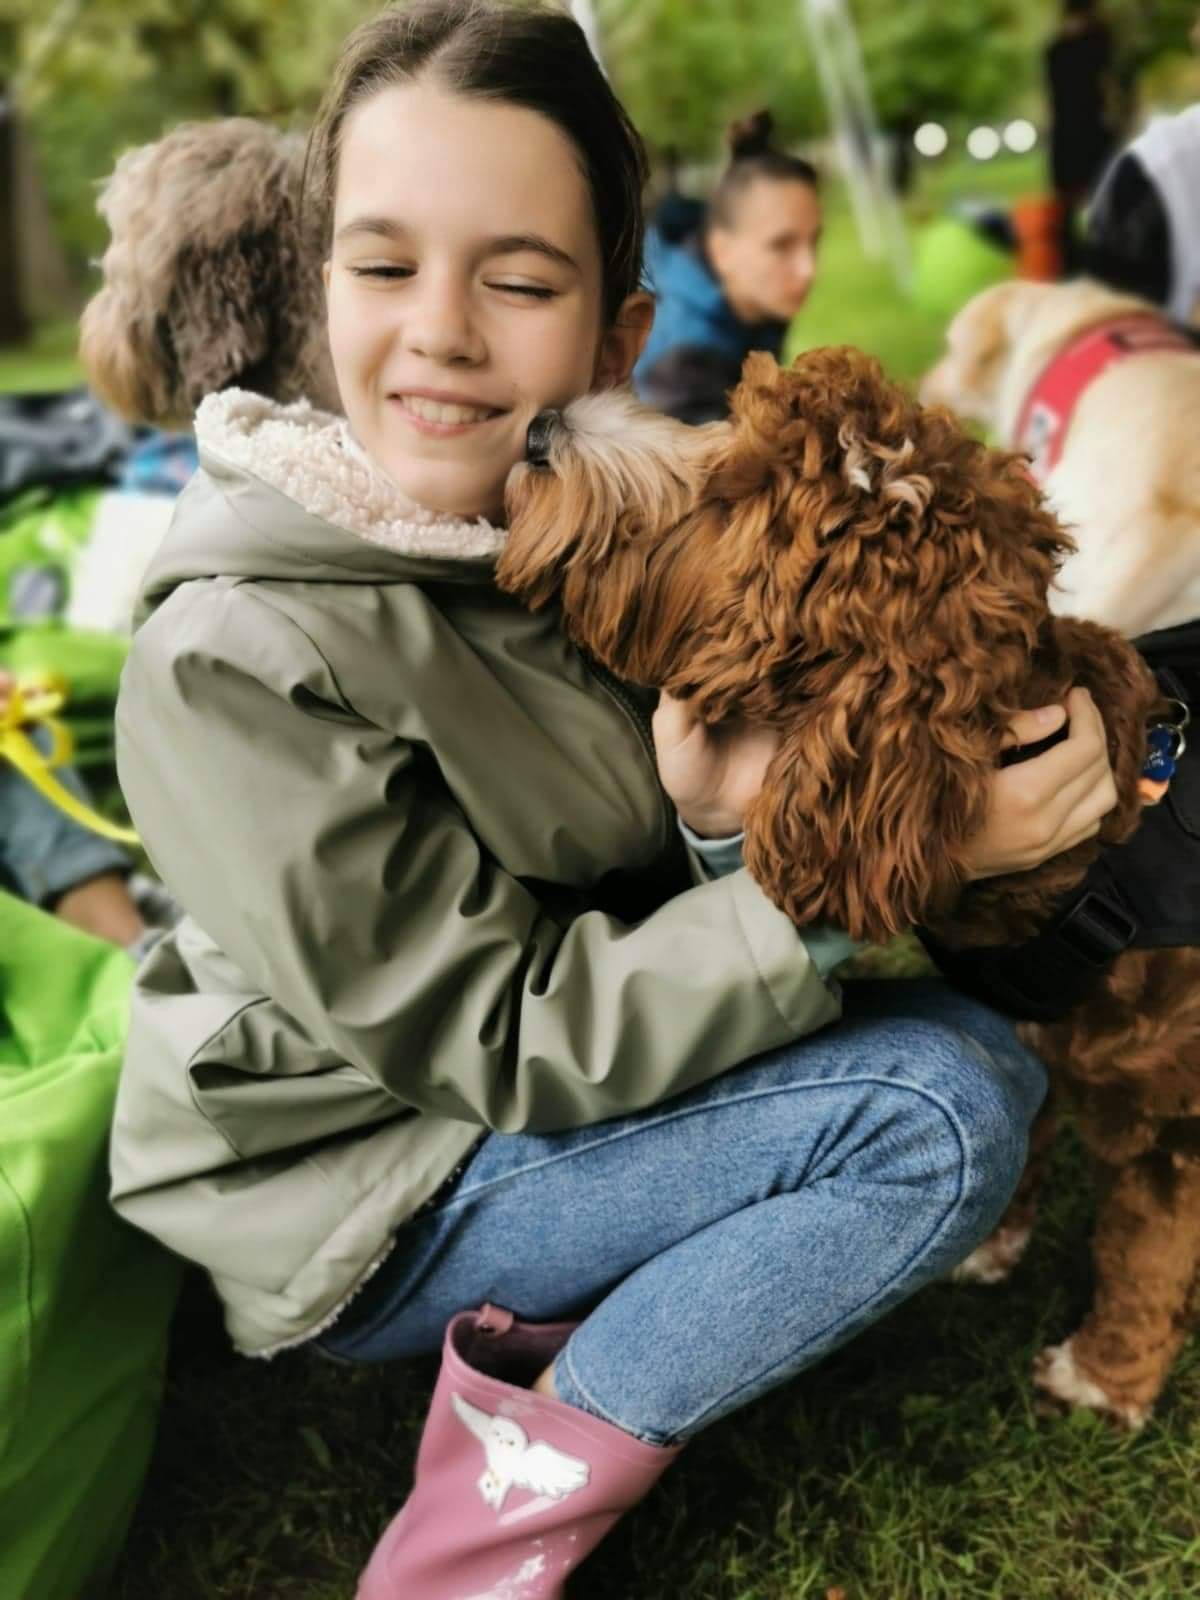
pixel 84 1300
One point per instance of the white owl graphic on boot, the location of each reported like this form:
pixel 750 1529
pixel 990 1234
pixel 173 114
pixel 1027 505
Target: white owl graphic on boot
pixel 512 1462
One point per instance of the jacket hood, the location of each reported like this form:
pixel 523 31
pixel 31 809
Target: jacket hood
pixel 284 492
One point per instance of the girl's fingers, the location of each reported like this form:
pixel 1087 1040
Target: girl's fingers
pixel 1092 783
pixel 1055 800
pixel 672 721
pixel 1028 727
pixel 1039 809
pixel 1079 809
pixel 1085 741
pixel 1084 819
pixel 1056 777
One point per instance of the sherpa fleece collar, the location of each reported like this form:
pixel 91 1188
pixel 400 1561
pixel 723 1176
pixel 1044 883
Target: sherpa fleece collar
pixel 311 457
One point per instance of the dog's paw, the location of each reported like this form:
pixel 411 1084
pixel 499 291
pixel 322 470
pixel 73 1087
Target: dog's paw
pixel 1061 1386
pixel 995 1258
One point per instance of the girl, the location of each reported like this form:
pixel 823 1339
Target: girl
pixel 733 282
pixel 454 1017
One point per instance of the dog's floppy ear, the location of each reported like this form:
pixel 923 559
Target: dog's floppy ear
pixel 902 578
pixel 868 807
pixel 125 365
pixel 595 517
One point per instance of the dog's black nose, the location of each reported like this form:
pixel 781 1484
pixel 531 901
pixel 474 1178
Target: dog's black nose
pixel 538 436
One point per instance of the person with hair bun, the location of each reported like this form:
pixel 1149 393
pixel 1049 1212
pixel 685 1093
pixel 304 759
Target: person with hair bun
pixel 735 281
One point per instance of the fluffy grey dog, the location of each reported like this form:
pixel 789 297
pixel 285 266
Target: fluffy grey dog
pixel 212 278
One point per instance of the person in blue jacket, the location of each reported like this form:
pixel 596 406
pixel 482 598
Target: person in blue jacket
pixel 728 279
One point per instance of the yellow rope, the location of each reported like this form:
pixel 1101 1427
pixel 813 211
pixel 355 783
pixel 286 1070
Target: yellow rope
pixel 37 699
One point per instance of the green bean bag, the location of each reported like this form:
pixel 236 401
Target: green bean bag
pixel 952 261
pixel 84 1299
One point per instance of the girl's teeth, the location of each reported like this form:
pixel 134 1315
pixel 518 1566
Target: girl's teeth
pixel 437 411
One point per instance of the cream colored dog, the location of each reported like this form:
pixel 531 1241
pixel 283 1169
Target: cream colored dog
pixel 1128 479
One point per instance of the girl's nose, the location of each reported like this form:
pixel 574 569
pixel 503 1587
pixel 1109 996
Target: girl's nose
pixel 439 325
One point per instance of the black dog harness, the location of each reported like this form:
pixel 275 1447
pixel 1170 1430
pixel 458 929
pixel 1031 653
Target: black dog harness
pixel 1141 895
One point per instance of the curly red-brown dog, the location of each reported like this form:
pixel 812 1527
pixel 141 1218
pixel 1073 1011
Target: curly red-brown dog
pixel 852 569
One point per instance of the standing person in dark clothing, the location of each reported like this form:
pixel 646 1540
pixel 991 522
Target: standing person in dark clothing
pixel 1083 122
pixel 734 282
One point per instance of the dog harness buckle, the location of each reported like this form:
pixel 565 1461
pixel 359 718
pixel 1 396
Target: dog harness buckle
pixel 1096 928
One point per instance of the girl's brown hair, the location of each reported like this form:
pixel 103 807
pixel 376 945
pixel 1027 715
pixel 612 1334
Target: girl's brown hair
pixel 753 156
pixel 527 55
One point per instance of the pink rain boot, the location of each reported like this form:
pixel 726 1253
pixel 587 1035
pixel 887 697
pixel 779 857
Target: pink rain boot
pixel 512 1489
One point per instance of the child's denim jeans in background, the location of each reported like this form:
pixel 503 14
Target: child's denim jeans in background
pixel 718 1244
pixel 43 853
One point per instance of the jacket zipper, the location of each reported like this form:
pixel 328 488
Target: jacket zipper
pixel 619 692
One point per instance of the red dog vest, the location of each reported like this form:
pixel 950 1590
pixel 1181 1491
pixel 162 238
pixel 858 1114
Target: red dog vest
pixel 1050 404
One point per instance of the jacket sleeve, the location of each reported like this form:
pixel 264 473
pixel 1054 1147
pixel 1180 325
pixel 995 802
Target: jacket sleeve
pixel 329 861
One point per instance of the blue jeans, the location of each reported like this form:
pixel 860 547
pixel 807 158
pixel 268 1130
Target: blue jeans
pixel 717 1244
pixel 43 853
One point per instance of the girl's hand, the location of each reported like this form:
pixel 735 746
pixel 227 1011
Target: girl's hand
pixel 1043 806
pixel 1038 808
pixel 711 773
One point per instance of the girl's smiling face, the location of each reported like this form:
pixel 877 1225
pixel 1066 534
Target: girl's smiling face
pixel 464 289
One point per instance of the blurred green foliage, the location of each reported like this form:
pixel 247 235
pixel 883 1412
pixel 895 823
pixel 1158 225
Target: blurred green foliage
pixel 686 67
pixel 92 77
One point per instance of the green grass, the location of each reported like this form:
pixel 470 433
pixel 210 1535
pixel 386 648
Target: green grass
pixel 48 362
pixel 910 1466
pixel 859 301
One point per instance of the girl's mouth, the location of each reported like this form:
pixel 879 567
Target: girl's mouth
pixel 442 416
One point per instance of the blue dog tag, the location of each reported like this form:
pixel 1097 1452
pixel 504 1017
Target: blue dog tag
pixel 1162 747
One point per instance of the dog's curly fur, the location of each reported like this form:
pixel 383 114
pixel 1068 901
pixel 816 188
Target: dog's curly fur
pixel 852 569
pixel 212 277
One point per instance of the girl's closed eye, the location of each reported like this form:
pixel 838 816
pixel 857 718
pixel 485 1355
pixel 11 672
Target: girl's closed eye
pixel 534 291
pixel 392 273
pixel 383 272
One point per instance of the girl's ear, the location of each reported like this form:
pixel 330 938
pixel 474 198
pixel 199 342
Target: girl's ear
pixel 623 342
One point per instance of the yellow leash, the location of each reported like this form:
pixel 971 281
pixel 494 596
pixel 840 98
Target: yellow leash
pixel 37 699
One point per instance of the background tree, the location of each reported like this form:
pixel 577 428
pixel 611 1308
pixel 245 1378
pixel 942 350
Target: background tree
pixel 91 77
pixel 14 320
pixel 100 77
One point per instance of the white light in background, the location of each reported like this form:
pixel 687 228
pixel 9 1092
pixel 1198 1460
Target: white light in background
pixel 1020 136
pixel 931 139
pixel 983 143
